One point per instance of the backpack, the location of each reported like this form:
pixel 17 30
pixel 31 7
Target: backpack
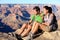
pixel 54 24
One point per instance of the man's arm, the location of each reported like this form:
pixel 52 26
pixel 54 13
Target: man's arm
pixel 30 22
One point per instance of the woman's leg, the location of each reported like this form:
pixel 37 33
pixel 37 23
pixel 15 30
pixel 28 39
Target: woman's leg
pixel 26 31
pixel 34 27
pixel 19 31
pixel 44 27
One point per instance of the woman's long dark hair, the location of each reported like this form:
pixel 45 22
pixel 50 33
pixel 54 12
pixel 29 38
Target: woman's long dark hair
pixel 49 9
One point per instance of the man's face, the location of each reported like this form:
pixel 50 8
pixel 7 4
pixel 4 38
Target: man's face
pixel 34 11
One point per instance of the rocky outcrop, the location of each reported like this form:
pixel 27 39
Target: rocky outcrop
pixel 5 36
pixel 11 21
pixel 49 36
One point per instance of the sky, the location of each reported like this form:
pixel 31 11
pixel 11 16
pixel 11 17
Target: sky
pixel 57 2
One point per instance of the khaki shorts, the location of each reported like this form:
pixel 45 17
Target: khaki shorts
pixel 46 28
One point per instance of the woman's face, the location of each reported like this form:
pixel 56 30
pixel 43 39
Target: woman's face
pixel 45 11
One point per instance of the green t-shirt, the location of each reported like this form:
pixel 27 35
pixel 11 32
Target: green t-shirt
pixel 36 18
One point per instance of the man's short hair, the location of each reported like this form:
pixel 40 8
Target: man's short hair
pixel 36 8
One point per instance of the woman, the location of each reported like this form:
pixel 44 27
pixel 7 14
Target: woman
pixel 50 22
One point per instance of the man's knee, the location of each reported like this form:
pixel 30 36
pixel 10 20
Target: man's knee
pixel 24 24
pixel 29 27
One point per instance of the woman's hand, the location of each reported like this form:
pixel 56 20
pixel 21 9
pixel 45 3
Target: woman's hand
pixel 46 23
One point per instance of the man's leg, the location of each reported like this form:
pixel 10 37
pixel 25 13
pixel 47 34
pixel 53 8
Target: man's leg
pixel 19 31
pixel 34 27
pixel 33 30
pixel 26 31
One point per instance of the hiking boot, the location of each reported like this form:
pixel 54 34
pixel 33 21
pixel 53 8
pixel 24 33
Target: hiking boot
pixel 30 36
